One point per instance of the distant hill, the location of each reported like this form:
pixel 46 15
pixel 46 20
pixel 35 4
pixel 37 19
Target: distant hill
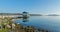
pixel 10 14
pixel 35 14
pixel 52 15
pixel 19 14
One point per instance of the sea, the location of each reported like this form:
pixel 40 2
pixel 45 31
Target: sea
pixel 50 23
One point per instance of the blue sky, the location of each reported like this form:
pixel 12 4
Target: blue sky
pixel 31 6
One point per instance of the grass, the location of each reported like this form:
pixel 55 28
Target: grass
pixel 4 30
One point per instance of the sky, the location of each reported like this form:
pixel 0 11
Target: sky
pixel 31 6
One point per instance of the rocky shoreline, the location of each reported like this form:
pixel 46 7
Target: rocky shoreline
pixel 8 26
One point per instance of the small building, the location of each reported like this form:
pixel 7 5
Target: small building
pixel 25 14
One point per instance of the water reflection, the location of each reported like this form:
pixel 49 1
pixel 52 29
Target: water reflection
pixel 28 25
pixel 25 19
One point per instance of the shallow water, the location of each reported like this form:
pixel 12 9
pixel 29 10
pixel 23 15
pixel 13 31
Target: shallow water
pixel 51 23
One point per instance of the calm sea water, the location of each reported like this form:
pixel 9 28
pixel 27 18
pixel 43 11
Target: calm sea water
pixel 51 23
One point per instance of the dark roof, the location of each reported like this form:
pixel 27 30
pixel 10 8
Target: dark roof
pixel 24 12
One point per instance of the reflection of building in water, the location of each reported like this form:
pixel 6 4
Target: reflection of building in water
pixel 25 14
pixel 25 19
